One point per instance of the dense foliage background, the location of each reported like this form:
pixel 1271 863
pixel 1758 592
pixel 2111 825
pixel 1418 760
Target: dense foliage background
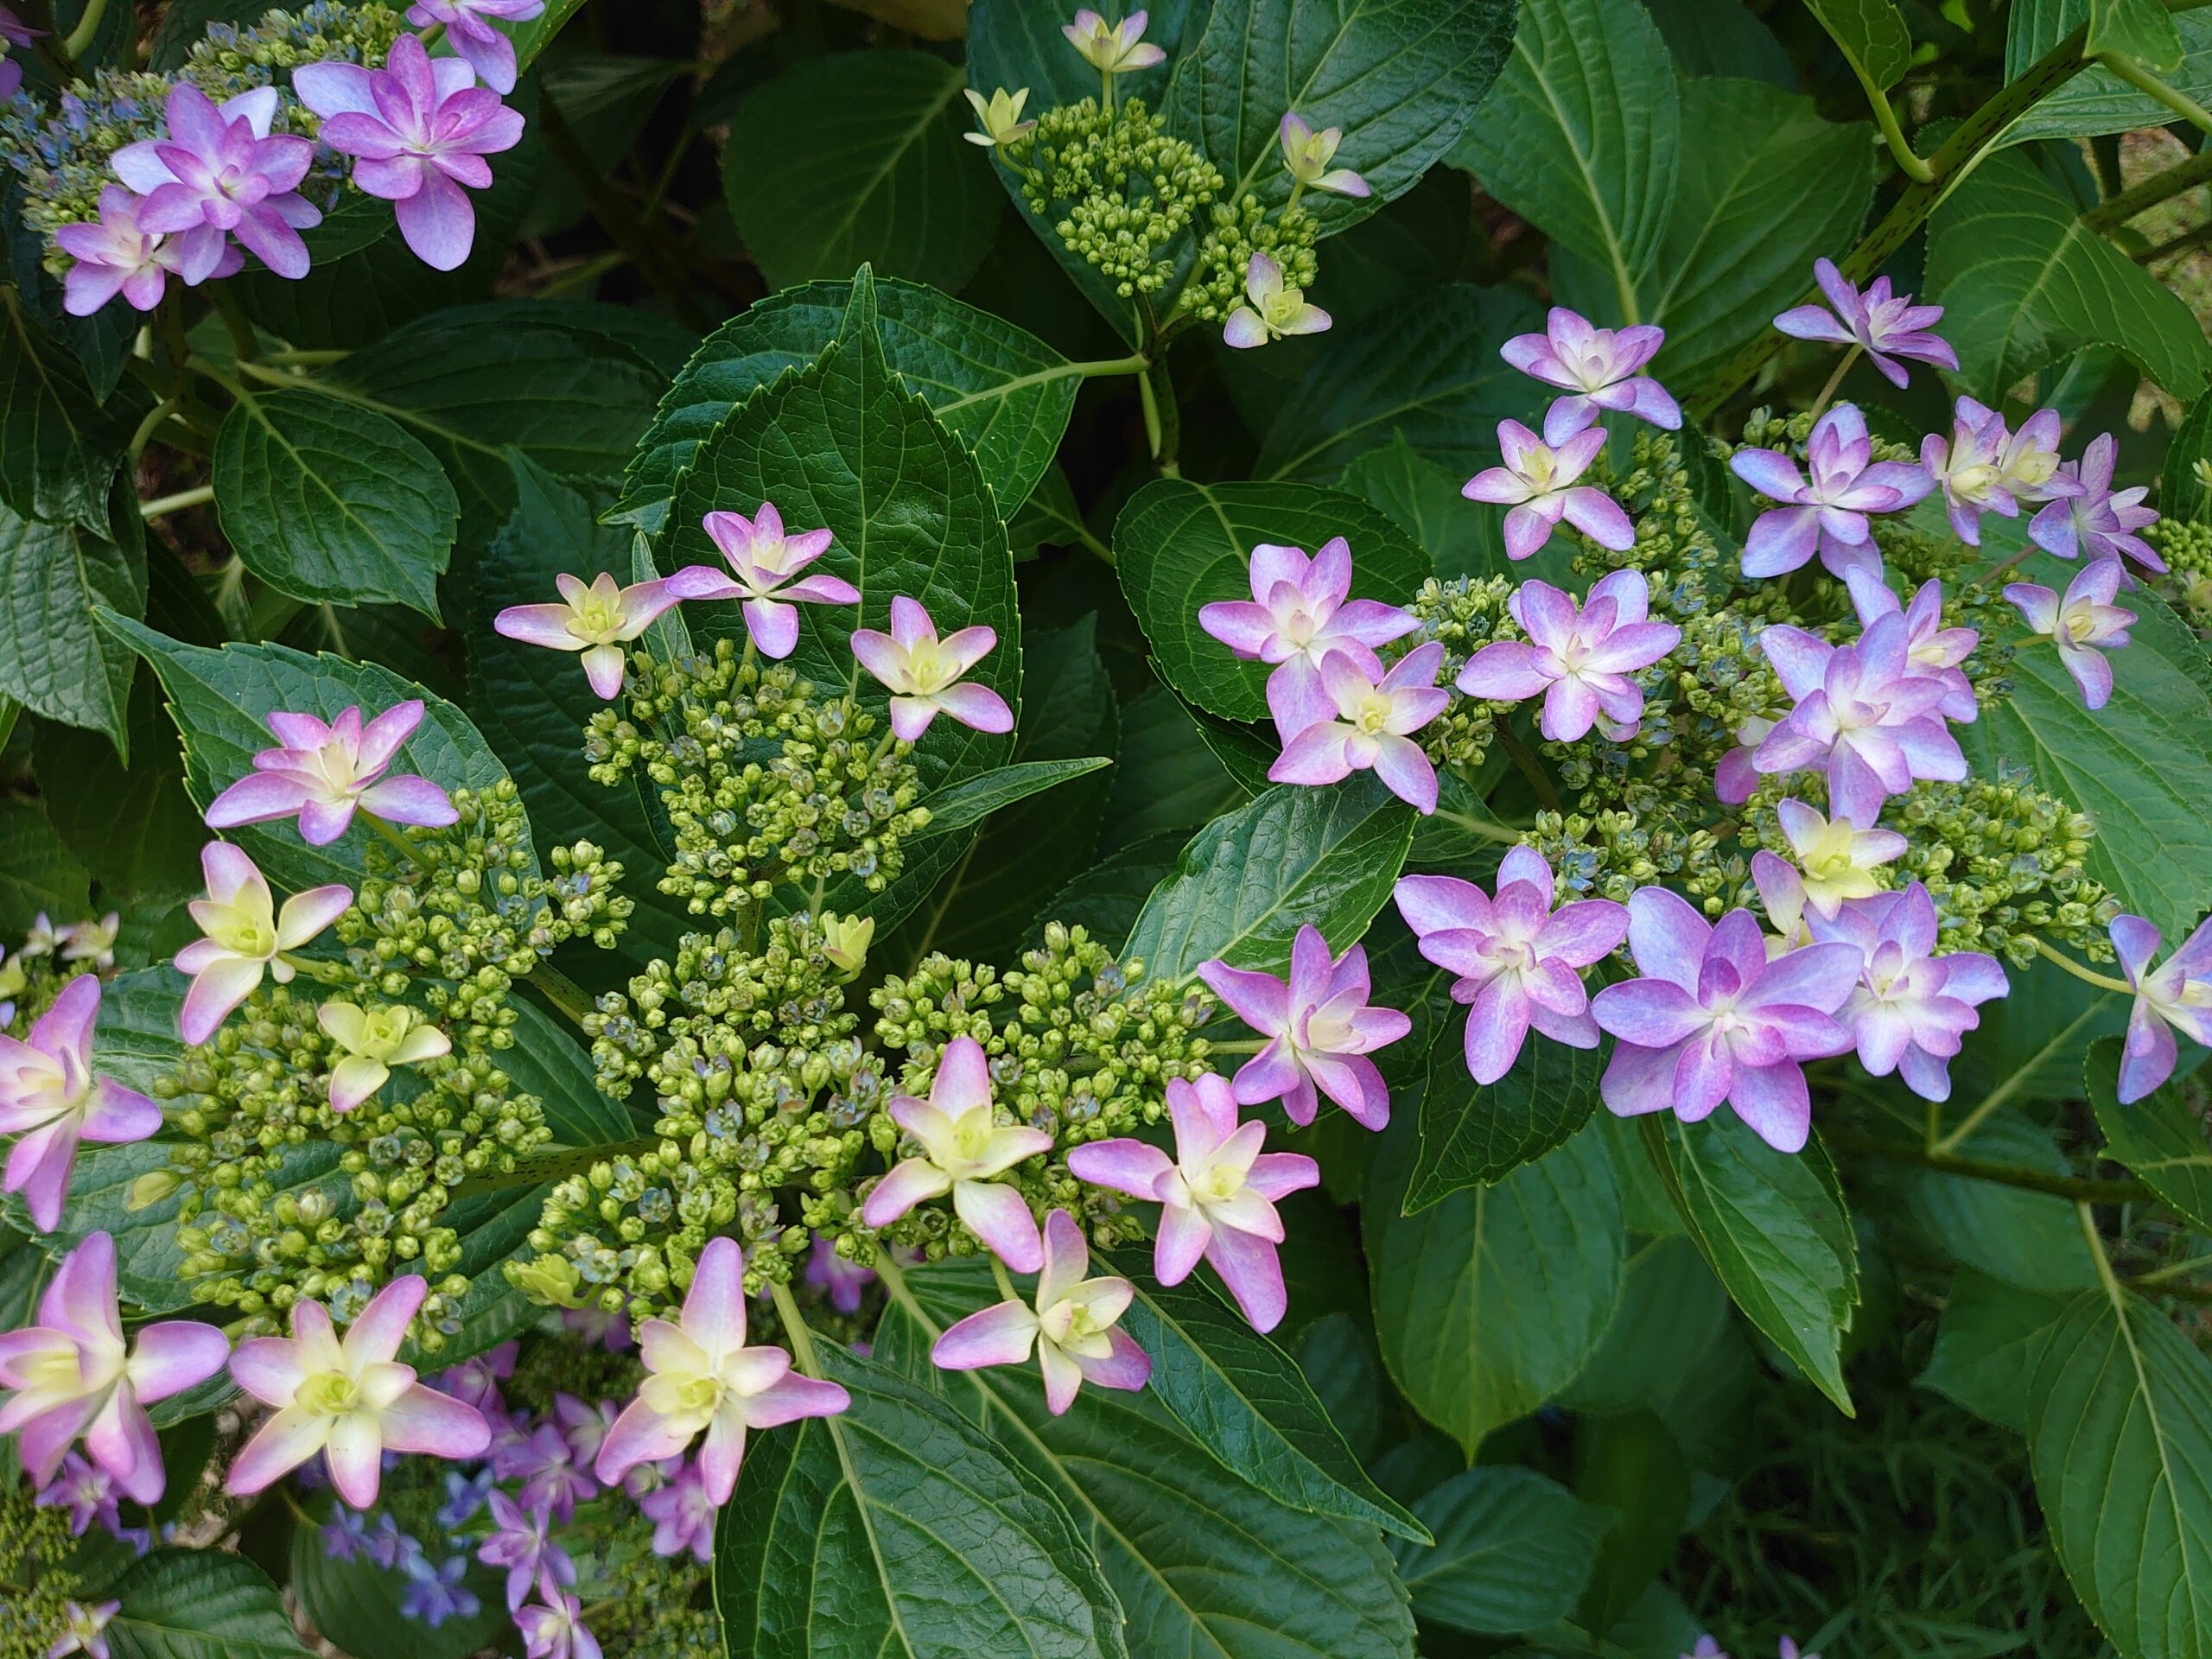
pixel 1543 1377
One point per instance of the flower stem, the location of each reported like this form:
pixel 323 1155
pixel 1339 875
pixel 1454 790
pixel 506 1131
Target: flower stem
pixel 1163 422
pixel 81 38
pixel 2148 84
pixel 391 835
pixel 2101 982
pixel 161 505
pixel 2078 1188
pixel 2161 187
pixel 1835 380
pixel 1885 117
pixel 1006 1285
pixel 795 1330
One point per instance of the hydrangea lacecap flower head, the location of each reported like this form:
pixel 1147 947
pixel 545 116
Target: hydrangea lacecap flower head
pixel 50 1099
pixel 2083 623
pixel 1884 324
pixel 1828 515
pixel 1579 658
pixel 72 1376
pixel 1299 612
pixel 1216 1195
pixel 923 674
pixel 1911 1007
pixel 766 564
pixel 351 1401
pixel 1600 370
pixel 1072 1325
pixel 221 173
pixel 244 935
pixel 597 621
pixel 1320 1029
pixel 964 1148
pixel 701 1378
pixel 1712 1018
pixel 2175 995
pixel 1537 481
pixel 1372 728
pixel 1274 309
pixel 1520 962
pixel 322 773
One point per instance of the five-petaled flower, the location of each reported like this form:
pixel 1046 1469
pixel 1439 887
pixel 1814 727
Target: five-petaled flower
pixel 1112 48
pixel 1599 369
pixel 117 254
pixel 597 621
pixel 375 1039
pixel 323 772
pixel 244 936
pixel 351 1401
pixel 923 673
pixel 1911 1007
pixel 71 1374
pixel 700 1376
pixel 468 25
pixel 1829 514
pixel 1372 728
pixel 1519 962
pixel 1884 326
pixel 1537 482
pixel 1838 858
pixel 1216 1195
pixel 2097 521
pixel 222 173
pixel 964 1147
pixel 1713 1019
pixel 1298 612
pixel 1319 1028
pixel 1000 115
pixel 1072 1326
pixel 50 1099
pixel 1307 153
pixel 1274 311
pixel 766 563
pixel 2083 624
pixel 1579 659
pixel 419 130
pixel 2177 995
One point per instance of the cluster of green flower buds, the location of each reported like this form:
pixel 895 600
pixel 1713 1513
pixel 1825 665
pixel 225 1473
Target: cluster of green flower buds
pixel 2186 546
pixel 36 1584
pixel 2005 861
pixel 1464 613
pixel 1237 231
pixel 1118 188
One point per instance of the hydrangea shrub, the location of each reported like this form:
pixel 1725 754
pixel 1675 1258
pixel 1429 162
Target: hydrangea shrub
pixel 1267 829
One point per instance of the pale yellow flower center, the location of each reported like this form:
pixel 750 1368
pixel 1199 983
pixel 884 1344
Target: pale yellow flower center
pixel 1281 308
pixel 327 1394
pixel 598 618
pixel 1973 482
pixel 245 934
pixel 1373 714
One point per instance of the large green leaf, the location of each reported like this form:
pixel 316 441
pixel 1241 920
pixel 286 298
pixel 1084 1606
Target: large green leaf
pixel 2026 1238
pixel 844 443
pixel 2024 283
pixel 973 799
pixel 36 871
pixel 60 448
pixel 2120 1438
pixel 2160 1137
pixel 1428 371
pixel 1513 1551
pixel 573 400
pixel 532 704
pixel 1489 1302
pixel 856 159
pixel 1166 778
pixel 1773 1226
pixel 1471 1135
pixel 1989 1346
pixel 334 502
pixel 1766 186
pixel 133 827
pixel 1873 36
pixel 2032 1043
pixel 1245 1401
pixel 2141 766
pixel 2097 101
pixel 1421 496
pixel 200 1604
pixel 54 660
pixel 1180 545
pixel 1004 392
pixel 1399 77
pixel 897 1529
pixel 1582 135
pixel 1250 880
pixel 1203 1563
pixel 219 698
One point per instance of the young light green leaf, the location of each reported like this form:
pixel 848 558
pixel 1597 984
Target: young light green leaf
pixel 1399 77
pixel 898 1528
pixel 1003 392
pixel 1871 35
pixel 1489 1302
pixel 856 159
pixel 1581 136
pixel 1513 1552
pixel 53 659
pixel 199 1603
pixel 2160 1137
pixel 1244 1399
pixel 2119 1438
pixel 1989 1345
pixel 1472 1136
pixel 1247 881
pixel 2023 282
pixel 1773 1228
pixel 1180 545
pixel 332 502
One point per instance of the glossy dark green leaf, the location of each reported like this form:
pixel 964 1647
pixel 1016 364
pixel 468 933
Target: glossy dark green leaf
pixel 54 660
pixel 1002 391
pixel 857 158
pixel 60 448
pixel 1106 898
pixel 1166 778
pixel 1472 1136
pixel 332 502
pixel 1989 1346
pixel 898 1528
pixel 1489 1302
pixel 1513 1552
pixel 132 827
pixel 973 799
pixel 2026 1238
pixel 1421 496
pixel 2161 1137
pixel 1247 881
pixel 200 1604
pixel 1774 1229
